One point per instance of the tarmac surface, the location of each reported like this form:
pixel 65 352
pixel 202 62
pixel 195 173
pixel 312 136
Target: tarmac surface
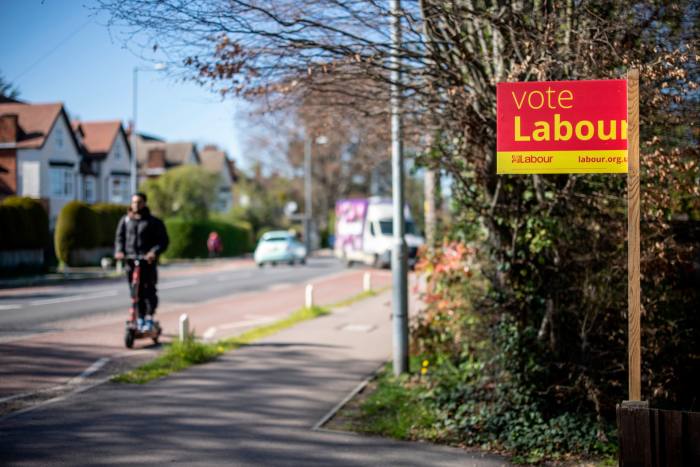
pixel 253 406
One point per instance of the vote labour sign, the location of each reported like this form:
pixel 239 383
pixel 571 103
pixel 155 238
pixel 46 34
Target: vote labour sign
pixel 562 127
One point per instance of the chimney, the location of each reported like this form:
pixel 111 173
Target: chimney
pixel 211 147
pixel 8 128
pixel 156 158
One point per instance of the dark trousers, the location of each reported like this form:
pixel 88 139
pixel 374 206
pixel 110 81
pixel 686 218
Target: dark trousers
pixel 146 291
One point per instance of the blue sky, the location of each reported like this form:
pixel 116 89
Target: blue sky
pixel 57 50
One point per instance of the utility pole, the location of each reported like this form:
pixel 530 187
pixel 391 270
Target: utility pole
pixel 133 172
pixel 133 168
pixel 307 193
pixel 398 253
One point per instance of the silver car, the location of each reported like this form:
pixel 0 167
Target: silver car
pixel 279 246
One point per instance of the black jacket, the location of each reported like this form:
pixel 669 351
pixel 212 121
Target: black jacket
pixel 140 236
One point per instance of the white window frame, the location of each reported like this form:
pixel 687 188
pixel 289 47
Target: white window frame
pixel 61 182
pixel 59 138
pixel 121 194
pixel 90 189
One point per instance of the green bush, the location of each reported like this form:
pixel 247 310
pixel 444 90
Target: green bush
pixel 10 233
pixel 188 239
pixel 76 228
pixel 108 216
pixel 187 192
pixel 25 224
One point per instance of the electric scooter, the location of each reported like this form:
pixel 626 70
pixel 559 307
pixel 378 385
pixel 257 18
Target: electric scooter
pixel 132 329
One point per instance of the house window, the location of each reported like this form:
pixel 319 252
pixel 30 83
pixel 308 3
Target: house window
pixel 61 180
pixel 59 138
pixel 119 189
pixel 90 189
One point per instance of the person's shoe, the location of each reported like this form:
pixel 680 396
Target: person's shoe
pixel 149 324
pixel 140 324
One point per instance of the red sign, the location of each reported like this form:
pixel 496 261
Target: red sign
pixel 562 127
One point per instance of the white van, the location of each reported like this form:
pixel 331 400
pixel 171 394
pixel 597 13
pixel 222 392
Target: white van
pixel 364 232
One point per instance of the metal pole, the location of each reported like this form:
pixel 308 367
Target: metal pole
pixel 133 179
pixel 307 193
pixel 398 254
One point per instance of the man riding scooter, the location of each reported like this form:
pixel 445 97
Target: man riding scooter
pixel 141 235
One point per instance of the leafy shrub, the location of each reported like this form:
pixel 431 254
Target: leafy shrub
pixel 10 234
pixel 188 239
pixel 494 404
pixel 76 228
pixel 187 192
pixel 485 370
pixel 108 216
pixel 25 224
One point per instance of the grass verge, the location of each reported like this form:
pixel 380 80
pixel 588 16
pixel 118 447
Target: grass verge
pixel 180 355
pixel 390 406
pixel 404 408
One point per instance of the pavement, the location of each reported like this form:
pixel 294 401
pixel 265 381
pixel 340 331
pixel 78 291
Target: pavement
pixel 257 405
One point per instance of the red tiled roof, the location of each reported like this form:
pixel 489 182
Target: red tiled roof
pixel 98 137
pixel 34 120
pixel 215 160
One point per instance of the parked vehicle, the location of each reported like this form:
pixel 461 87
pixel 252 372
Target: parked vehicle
pixel 364 232
pixel 279 246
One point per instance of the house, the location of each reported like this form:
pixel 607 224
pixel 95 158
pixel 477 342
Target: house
pixel 105 169
pixel 216 161
pixel 154 156
pixel 39 154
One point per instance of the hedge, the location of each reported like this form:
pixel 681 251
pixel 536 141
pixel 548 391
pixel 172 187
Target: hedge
pixel 108 216
pixel 25 224
pixel 81 226
pixel 188 239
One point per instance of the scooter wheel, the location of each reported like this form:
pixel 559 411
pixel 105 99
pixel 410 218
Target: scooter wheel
pixel 129 338
pixel 158 331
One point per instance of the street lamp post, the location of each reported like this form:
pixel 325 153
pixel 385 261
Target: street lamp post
pixel 398 253
pixel 308 203
pixel 133 173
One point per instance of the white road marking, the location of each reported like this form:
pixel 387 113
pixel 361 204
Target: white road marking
pixel 90 370
pixel 240 324
pixel 74 298
pixel 72 382
pixel 11 306
pixel 176 284
pixel 209 333
pixel 233 277
pixel 281 286
pixel 358 327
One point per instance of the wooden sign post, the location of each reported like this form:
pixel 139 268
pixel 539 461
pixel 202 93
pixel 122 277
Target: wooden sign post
pixel 579 127
pixel 633 249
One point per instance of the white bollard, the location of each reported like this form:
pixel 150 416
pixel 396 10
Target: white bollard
pixel 367 282
pixel 184 327
pixel 309 296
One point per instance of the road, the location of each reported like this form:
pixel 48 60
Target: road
pixel 25 311
pixel 58 339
